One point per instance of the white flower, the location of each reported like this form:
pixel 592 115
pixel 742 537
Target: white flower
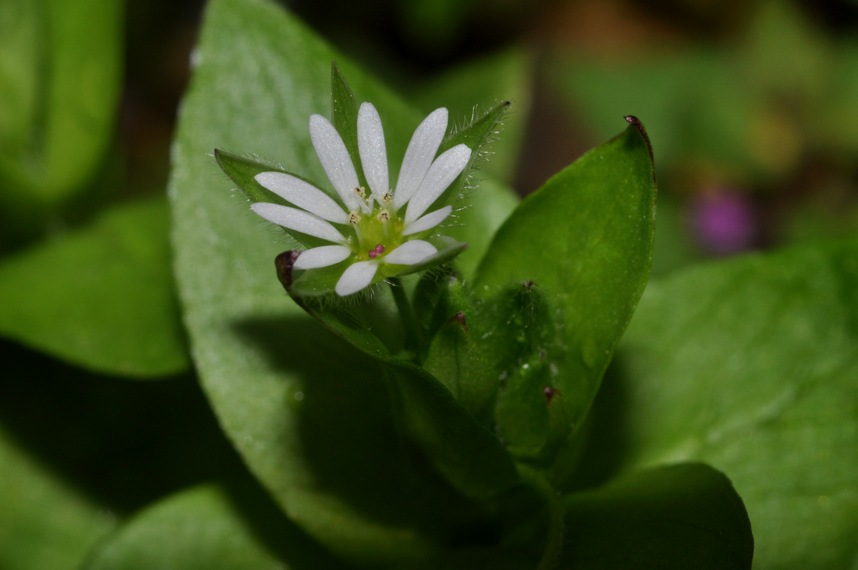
pixel 376 228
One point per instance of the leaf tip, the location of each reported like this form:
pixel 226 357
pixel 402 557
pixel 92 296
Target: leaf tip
pixel 637 124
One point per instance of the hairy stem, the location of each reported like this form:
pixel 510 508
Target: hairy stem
pixel 407 317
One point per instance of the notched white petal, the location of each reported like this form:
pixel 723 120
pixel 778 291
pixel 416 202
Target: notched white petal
pixel 419 155
pixel 373 153
pixel 428 221
pixel 322 256
pixel 298 220
pixel 441 174
pixel 335 159
pixel 356 277
pixel 304 195
pixel 411 253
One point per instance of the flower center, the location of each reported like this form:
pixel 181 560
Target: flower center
pixel 377 231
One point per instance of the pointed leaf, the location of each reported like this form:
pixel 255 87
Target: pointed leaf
pixel 100 296
pixel 584 240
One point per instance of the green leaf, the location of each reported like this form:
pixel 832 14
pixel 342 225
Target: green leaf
pixel 679 516
pixel 750 365
pixel 468 455
pixel 584 241
pixel 206 528
pixel 100 296
pixel 44 522
pixel 309 414
pixel 58 99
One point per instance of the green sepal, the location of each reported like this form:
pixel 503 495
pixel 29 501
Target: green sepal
pixel 243 170
pixel 475 135
pixel 448 249
pixel 344 109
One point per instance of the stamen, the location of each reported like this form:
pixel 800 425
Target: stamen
pixel 354 220
pixel 383 216
pixel 387 199
pixel 365 206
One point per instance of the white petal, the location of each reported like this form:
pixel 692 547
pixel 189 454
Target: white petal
pixel 419 155
pixel 356 277
pixel 298 220
pixel 428 221
pixel 411 253
pixel 442 173
pixel 373 154
pixel 304 195
pixel 335 159
pixel 322 256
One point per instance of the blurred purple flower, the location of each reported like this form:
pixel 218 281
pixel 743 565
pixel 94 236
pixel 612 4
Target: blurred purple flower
pixel 723 222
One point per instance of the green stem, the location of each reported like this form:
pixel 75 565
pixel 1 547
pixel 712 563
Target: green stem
pixel 406 316
pixel 556 512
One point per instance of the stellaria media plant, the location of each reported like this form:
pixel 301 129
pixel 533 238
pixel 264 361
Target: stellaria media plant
pixel 487 376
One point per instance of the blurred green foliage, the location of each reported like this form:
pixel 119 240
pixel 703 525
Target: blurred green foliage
pixel 60 79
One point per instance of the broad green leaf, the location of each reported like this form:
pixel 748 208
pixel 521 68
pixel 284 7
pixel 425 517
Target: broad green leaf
pixel 209 528
pixel 59 99
pixel 100 296
pixel 750 365
pixel 309 414
pixel 678 516
pixel 584 242
pixel 44 522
